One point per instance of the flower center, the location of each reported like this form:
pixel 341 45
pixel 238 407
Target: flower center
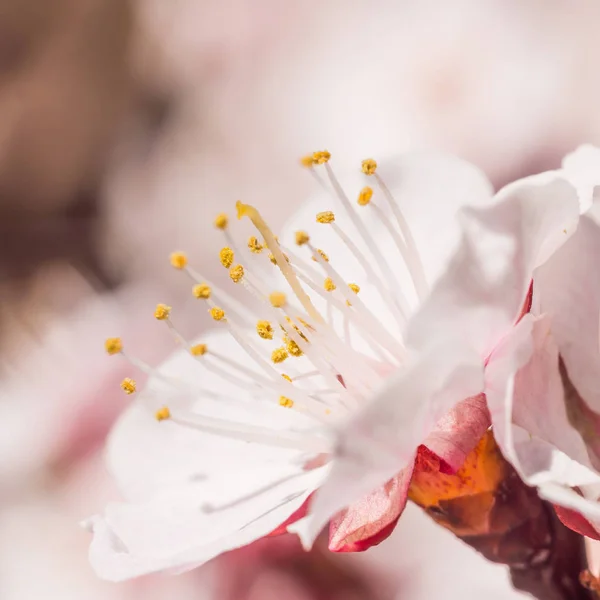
pixel 317 348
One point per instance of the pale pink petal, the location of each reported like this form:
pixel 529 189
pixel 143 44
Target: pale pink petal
pixel 569 292
pixel 180 530
pixel 145 456
pixel 576 521
pixel 587 507
pixel 193 492
pixel 371 519
pixel 539 399
pixel 582 169
pixel 482 293
pixel 538 462
pixel 459 431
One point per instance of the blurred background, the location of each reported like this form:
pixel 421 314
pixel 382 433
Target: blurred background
pixel 125 126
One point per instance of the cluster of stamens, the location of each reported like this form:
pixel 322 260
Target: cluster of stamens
pixel 333 376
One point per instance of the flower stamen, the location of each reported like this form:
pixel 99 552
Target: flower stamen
pixel 226 256
pixel 413 258
pixel 264 330
pixel 361 228
pixel 254 245
pixel 129 386
pixel 113 345
pixel 162 414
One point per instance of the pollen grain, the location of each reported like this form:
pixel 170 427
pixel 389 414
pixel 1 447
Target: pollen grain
pixel 162 414
pixel 226 257
pixel 113 345
pixel 221 221
pixel 198 349
pixel 128 386
pixel 365 195
pixel 162 312
pixel 264 330
pixel 325 217
pixel 218 314
pixel 369 166
pixel 279 355
pixel 286 402
pixel 202 290
pixel 179 260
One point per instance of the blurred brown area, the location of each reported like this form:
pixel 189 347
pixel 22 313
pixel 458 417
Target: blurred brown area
pixel 65 86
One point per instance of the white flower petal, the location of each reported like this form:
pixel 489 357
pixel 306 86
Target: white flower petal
pixel 174 532
pixel 484 288
pixel 537 461
pixel 431 188
pixel 539 402
pixel 582 169
pixel 570 294
pixel 145 456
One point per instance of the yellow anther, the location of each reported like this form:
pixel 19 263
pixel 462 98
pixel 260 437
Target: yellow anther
pixel 286 402
pixel 325 217
pixel 302 238
pixel 307 161
pixel 162 414
pixel 162 312
pixel 221 221
pixel 369 166
pixel 128 386
pixel 198 349
pixel 292 347
pixel 365 195
pixel 202 290
pixel 264 330
pixel 321 157
pixel 277 299
pixel 179 260
pixel 218 314
pixel 226 257
pixel 322 254
pixel 329 285
pixel 355 288
pixel 113 345
pixel 236 273
pixel 254 245
pixel 286 377
pixel 279 355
